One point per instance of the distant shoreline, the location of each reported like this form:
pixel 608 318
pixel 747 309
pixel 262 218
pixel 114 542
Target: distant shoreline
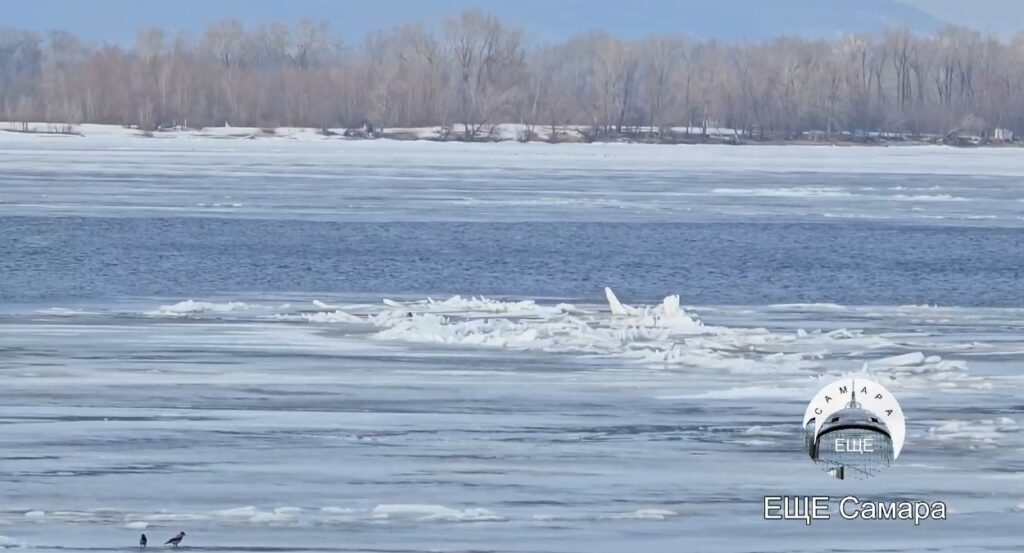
pixel 508 133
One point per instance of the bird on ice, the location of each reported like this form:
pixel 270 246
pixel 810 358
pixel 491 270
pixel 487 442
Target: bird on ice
pixel 176 539
pixel 143 541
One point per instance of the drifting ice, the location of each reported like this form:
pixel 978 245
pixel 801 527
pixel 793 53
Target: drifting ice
pixel 662 335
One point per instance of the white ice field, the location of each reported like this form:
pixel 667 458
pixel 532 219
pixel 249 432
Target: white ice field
pixel 283 421
pixel 470 424
pixel 112 171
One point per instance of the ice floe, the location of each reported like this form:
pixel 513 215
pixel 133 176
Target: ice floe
pixel 664 335
pixel 301 517
pixel 645 514
pixel 192 307
pixel 765 431
pixel 974 434
pixel 65 312
pixel 6 542
pixel 336 316
pixel 433 513
pixel 252 515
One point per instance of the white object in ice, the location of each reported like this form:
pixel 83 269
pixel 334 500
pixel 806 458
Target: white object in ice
pixel 616 306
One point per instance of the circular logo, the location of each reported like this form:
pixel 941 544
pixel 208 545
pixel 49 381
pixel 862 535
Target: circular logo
pixel 854 428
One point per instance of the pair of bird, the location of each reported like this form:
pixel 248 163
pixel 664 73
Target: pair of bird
pixel 173 541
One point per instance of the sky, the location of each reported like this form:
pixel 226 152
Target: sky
pixel 1000 17
pixel 118 20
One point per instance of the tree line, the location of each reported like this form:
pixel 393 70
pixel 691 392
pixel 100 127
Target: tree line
pixel 476 71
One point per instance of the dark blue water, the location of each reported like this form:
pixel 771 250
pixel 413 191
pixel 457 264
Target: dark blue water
pixel 52 259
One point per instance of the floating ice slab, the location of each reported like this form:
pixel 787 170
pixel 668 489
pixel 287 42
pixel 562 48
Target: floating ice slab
pixel 208 176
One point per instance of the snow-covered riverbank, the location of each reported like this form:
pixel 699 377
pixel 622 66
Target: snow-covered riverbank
pixel 509 132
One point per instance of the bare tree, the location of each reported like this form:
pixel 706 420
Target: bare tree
pixel 479 72
pixel 487 58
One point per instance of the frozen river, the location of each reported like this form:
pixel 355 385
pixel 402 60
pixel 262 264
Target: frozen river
pixel 233 338
pixel 331 180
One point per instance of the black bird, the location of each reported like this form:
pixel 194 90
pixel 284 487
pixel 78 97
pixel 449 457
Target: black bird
pixel 143 541
pixel 176 539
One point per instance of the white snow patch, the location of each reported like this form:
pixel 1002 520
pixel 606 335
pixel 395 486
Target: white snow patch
pixel 337 316
pixel 6 542
pixel 482 305
pixel 793 192
pixel 64 312
pixel 646 514
pixel 423 512
pixel 974 434
pixel 238 513
pixel 192 307
pixel 766 431
pixel 905 360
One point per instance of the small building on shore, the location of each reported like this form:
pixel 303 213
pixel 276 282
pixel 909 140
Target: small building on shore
pixel 1002 135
